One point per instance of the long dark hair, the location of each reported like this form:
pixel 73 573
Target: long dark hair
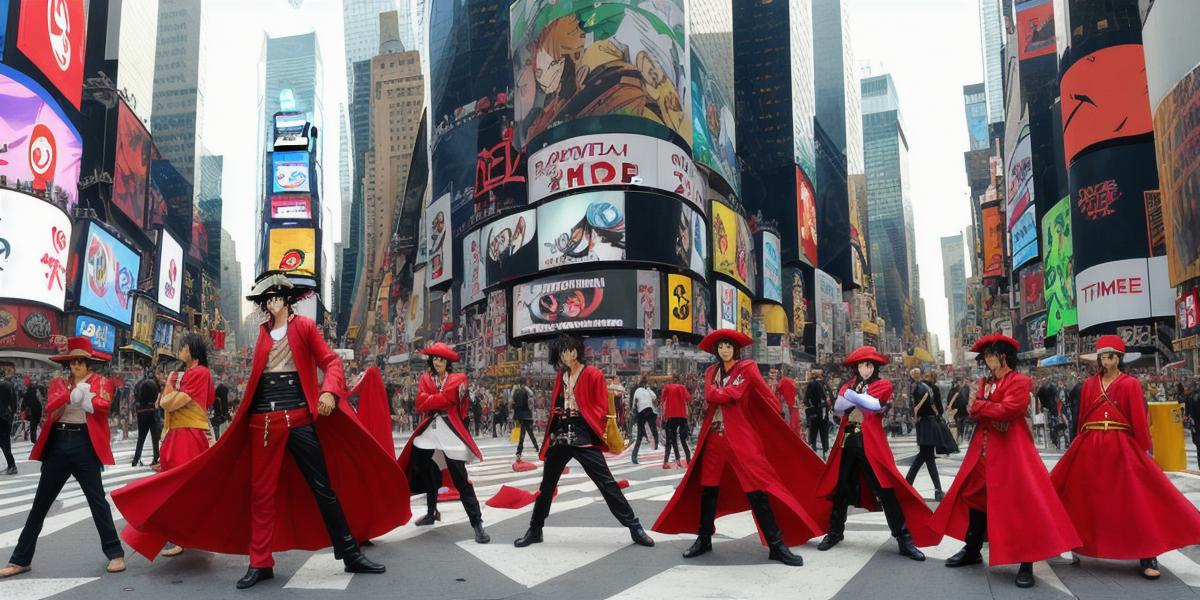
pixel 561 344
pixel 999 349
pixel 196 346
pixel 737 355
pixel 433 371
pixel 1120 364
pixel 858 381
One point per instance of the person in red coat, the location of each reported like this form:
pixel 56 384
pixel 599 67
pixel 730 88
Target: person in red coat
pixel 74 442
pixel 577 429
pixel 1002 492
pixel 270 480
pixel 747 458
pixel 785 389
pixel 1121 503
pixel 675 413
pixel 861 469
pixel 441 440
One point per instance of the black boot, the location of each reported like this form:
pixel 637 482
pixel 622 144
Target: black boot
pixel 708 514
pixel 904 540
pixel 639 537
pixel 837 525
pixel 532 536
pixel 357 563
pixel 429 519
pixel 1025 575
pixel 976 532
pixel 253 576
pixel 481 536
pixel 770 530
pixel 1149 564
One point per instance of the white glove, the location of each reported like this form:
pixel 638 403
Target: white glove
pixel 841 405
pixel 79 392
pixel 866 402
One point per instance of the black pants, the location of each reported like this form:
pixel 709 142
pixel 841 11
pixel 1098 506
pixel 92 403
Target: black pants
pixel 68 454
pixel 497 422
pixel 305 448
pixel 676 434
pixel 527 429
pixel 644 417
pixel 216 429
pixel 458 474
pixel 596 468
pixel 853 469
pixel 33 428
pixel 147 423
pixel 6 442
pixel 818 427
pixel 927 457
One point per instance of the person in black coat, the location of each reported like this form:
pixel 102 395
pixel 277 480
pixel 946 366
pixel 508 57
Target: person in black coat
pixel 817 397
pixel 32 406
pixel 220 409
pixel 8 411
pixel 145 395
pixel 927 407
pixel 523 414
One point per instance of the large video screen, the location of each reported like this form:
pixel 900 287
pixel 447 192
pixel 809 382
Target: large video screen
pixel 131 166
pixel 110 272
pixel 437 227
pixel 993 241
pixel 772 267
pixel 714 131
pixel 679 301
pixel 732 246
pixel 587 300
pixel 43 147
pixel 293 250
pixel 291 172
pixel 34 240
pixel 575 59
pixel 587 227
pixel 170 272
pixel 1033 293
pixel 1108 203
pixel 1104 97
pixel 511 247
pixel 51 35
pixel 1058 261
pixel 1176 128
pixel 1035 28
pixel 27 327
pixel 806 218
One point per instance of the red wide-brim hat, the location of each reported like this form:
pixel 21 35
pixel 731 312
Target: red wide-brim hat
pixel 1111 344
pixel 737 338
pixel 865 354
pixel 995 338
pixel 81 347
pixel 442 350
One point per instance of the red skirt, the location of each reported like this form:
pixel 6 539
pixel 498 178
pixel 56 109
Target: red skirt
pixel 1120 501
pixel 182 445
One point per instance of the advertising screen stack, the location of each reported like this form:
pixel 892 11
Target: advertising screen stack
pixel 291 240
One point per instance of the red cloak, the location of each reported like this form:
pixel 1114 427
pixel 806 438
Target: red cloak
pixel 1121 503
pixel 1026 522
pixel 769 458
pixel 591 396
pixel 59 395
pixel 786 390
pixel 883 465
pixel 373 410
pixel 674 399
pixel 429 400
pixel 205 504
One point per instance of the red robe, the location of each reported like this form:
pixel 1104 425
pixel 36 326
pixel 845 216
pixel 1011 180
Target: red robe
pixel 429 400
pixel 373 410
pixel 59 395
pixel 205 504
pixel 769 458
pixel 591 396
pixel 883 465
pixel 1121 503
pixel 674 399
pixel 1026 522
pixel 786 390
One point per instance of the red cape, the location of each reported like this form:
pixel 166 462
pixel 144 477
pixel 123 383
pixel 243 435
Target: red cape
pixel 59 395
pixel 786 390
pixel 770 458
pixel 373 410
pixel 883 464
pixel 1121 503
pixel 1026 521
pixel 430 399
pixel 205 504
pixel 591 395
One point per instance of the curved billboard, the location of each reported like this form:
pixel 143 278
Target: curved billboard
pixel 51 34
pixel 43 147
pixel 588 300
pixel 1104 97
pixel 714 132
pixel 732 245
pixel 34 240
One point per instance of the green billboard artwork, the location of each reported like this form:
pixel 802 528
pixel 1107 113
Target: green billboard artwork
pixel 713 129
pixel 1059 260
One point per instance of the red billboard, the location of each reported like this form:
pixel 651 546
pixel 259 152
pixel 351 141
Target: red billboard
pixel 24 327
pixel 806 218
pixel 1104 97
pixel 993 242
pixel 1035 28
pixel 131 166
pixel 51 35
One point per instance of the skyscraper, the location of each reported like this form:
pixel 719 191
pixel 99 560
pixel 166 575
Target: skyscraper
pixel 954 282
pixel 294 81
pixel 975 105
pixel 991 31
pixel 178 84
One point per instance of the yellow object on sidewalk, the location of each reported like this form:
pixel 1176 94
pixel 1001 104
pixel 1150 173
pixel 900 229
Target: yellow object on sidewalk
pixel 516 434
pixel 1166 432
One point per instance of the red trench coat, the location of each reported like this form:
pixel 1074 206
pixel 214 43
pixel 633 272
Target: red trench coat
pixel 591 395
pixel 883 465
pixel 373 410
pixel 769 458
pixel 1026 520
pixel 429 400
pixel 205 504
pixel 59 395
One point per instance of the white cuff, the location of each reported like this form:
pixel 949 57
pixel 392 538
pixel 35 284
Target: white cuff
pixel 842 405
pixel 865 401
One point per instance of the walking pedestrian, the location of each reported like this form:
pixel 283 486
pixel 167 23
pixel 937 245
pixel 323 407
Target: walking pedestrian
pixel 8 412
pixel 928 411
pixel 147 392
pixel 523 413
pixel 816 410
pixel 675 400
pixel 643 401
pixel 32 406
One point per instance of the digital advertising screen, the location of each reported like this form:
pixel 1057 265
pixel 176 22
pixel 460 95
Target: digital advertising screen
pixel 806 218
pixel 290 130
pixel 588 227
pixel 476 163
pixel 170 272
pixel 110 272
pixel 102 333
pixel 993 241
pixel 1124 290
pixel 828 295
pixel 293 249
pixel 1023 236
pixel 1033 293
pixel 143 322
pixel 1187 312
pixel 51 34
pixel 652 238
pixel 772 267
pixel 679 303
pixel 1104 97
pixel 28 327
pixel 1108 203
pixel 1176 129
pixel 131 166
pixel 33 249
pixel 437 227
pixel 731 245
pixel 43 148
pixel 588 300
pixel 474 271
pixel 1058 262
pixel 292 207
pixel 291 172
pixel 1035 28
pixel 727 305
pixel 714 131
pixel 577 59
pixel 511 246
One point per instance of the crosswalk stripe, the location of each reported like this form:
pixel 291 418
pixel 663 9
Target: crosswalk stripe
pixel 36 589
pixel 1182 567
pixel 67 498
pixel 320 572
pixel 565 549
pixel 56 523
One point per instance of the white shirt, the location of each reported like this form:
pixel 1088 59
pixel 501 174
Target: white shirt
pixel 644 398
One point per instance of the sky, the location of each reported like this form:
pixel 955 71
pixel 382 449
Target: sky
pixel 932 48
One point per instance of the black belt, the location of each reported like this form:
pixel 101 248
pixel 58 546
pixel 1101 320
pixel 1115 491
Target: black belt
pixel 278 391
pixel 70 427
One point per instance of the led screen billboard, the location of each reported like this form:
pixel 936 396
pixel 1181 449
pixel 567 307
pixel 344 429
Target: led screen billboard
pixel 582 228
pixel 170 272
pixel 291 172
pixel 110 271
pixel 679 303
pixel 731 245
pixel 27 327
pixel 1058 261
pixel 102 333
pixel 993 242
pixel 437 227
pixel 806 218
pixel 1104 97
pixel 474 272
pixel 511 247
pixel 772 267
pixel 291 207
pixel 43 148
pixel 593 300
pixel 1035 28
pixel 1124 290
pixel 51 35
pixel 1033 292
pixel 131 165
pixel 293 250
pixel 34 240
pixel 1176 129
pixel 714 132
pixel 1108 203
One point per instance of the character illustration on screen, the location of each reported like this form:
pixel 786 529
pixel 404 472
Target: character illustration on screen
pixel 722 237
pixel 700 310
pixel 683 237
pixel 799 305
pixel 502 245
pixel 437 238
pixel 291 260
pixel 720 124
pixel 577 67
pixel 742 255
pixel 1057 276
pixel 564 306
pixel 681 309
pixel 601 228
pixel 1041 35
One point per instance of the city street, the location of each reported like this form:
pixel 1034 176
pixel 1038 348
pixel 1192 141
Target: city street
pixel 587 554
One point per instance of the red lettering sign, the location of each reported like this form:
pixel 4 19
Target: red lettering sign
pixel 1095 201
pixel 497 166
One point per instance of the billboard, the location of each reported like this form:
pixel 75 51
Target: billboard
pixel 110 272
pixel 511 246
pixel 772 267
pixel 1108 203
pixel 827 299
pixel 588 300
pixel 1035 28
pixel 663 230
pixel 292 249
pixel 806 218
pixel 143 323
pixel 714 132
pixel 102 333
pixel 291 207
pixel 1023 238
pixel 43 147
pixel 1033 292
pixel 611 159
pixel 475 162
pixel 727 305
pixel 1176 127
pixel 577 59
pixel 745 313
pixel 731 245
pixel 131 166
pixel 25 327
pixel 1058 262
pixel 1187 312
pixel 290 172
pixel 437 227
pixel 582 228
pixel 51 35
pixel 679 303
pixel 170 272
pixel 1104 97
pixel 34 236
pixel 474 273
pixel 1123 290
pixel 993 242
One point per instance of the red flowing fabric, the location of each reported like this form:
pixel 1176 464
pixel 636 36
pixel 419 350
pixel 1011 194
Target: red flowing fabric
pixel 1026 522
pixel 1121 503
pixel 205 504
pixel 786 390
pixel 755 430
pixel 373 410
pixel 591 396
pixel 883 465
pixel 59 395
